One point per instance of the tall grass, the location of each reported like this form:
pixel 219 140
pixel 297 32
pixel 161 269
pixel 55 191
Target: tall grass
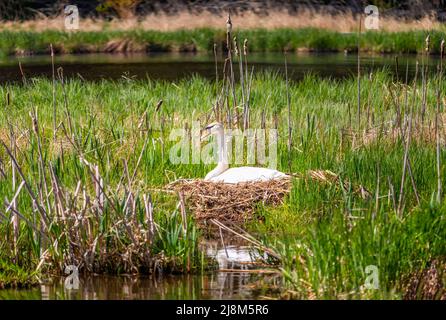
pixel 117 150
pixel 260 40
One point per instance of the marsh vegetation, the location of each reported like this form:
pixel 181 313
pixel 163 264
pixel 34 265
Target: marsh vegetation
pixel 16 41
pixel 82 184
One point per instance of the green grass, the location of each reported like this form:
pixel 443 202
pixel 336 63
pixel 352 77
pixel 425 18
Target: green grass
pixel 14 276
pixel 325 234
pixel 260 40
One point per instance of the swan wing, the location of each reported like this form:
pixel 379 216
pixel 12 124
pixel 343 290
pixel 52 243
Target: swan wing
pixel 247 174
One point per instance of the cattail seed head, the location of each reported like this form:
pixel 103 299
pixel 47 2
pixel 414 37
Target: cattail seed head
pixel 236 46
pixel 229 24
pixel 428 38
pixel 34 122
pixel 442 47
pixel 245 47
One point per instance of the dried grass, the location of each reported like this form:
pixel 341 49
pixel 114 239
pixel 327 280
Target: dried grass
pixel 428 283
pixel 21 138
pixel 61 146
pixel 389 133
pixel 345 22
pixel 123 45
pixel 230 202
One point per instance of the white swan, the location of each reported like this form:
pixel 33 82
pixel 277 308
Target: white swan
pixel 222 173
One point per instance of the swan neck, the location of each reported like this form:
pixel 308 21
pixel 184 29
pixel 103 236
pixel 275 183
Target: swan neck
pixel 221 150
pixel 222 161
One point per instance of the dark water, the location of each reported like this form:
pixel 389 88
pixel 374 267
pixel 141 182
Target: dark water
pixel 174 66
pixel 238 277
pixel 219 285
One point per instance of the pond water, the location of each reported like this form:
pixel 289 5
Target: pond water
pixel 239 276
pixel 174 66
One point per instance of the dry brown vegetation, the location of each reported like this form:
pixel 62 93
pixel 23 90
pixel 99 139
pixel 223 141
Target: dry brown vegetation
pixel 345 22
pixel 428 284
pixel 227 202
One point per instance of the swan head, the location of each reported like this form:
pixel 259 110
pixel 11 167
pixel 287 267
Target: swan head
pixel 213 128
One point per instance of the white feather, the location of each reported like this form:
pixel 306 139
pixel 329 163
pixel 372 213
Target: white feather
pixel 247 174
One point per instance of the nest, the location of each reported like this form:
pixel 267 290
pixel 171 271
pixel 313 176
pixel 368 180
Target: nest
pixel 237 202
pixel 233 202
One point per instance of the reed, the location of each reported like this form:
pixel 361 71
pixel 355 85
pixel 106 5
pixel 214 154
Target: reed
pixel 105 210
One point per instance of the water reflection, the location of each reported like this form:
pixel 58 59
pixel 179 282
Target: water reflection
pixel 239 276
pixel 235 257
pixel 173 66
pixel 220 285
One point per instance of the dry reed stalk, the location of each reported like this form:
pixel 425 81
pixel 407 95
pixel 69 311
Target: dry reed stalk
pixel 183 211
pixel 289 112
pixel 406 160
pixel 22 73
pixel 377 189
pixel 242 85
pixel 42 170
pixel 27 186
pixel 15 218
pixel 149 217
pixel 392 194
pixel 67 111
pixel 246 236
pixel 54 90
pixel 223 242
pixel 248 97
pixel 427 283
pixel 437 133
pixel 231 70
pixel 359 71
pixel 424 73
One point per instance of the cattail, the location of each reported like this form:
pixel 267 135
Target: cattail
pixel 245 47
pixel 236 46
pixel 229 24
pixel 34 122
pixel 442 48
pixel 158 106
pixel 428 40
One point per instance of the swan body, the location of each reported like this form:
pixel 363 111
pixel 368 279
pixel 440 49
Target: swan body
pixel 222 173
pixel 247 174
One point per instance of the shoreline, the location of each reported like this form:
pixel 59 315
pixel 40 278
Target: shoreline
pixel 22 43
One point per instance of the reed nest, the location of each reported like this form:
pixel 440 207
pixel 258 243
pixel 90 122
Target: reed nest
pixel 232 202
pixel 237 203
